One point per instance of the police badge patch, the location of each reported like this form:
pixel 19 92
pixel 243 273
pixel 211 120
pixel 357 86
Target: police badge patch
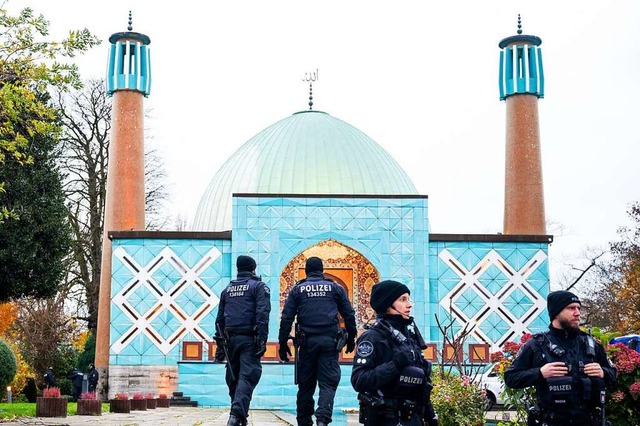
pixel 365 348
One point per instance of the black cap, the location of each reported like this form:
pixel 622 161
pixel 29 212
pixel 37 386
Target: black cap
pixel 245 263
pixel 385 293
pixel 558 300
pixel 314 264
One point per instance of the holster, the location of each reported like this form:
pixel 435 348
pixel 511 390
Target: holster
pixel 407 409
pixel 369 409
pixel 534 416
pixel 341 339
pixel 300 338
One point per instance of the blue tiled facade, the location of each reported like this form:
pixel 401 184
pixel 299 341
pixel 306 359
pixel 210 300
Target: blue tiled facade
pixel 166 290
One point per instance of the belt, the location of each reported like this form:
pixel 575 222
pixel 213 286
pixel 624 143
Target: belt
pixel 567 419
pixel 232 331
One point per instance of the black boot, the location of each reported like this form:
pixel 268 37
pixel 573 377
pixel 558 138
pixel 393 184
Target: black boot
pixel 236 421
pixel 321 423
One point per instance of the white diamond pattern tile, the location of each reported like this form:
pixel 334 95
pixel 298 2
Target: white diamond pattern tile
pixel 456 300
pixel 202 298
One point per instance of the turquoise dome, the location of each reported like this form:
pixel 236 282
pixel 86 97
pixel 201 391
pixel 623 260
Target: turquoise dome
pixel 309 152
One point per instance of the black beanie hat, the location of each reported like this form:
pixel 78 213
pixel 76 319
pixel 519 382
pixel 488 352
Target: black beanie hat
pixel 385 293
pixel 245 263
pixel 314 264
pixel 558 300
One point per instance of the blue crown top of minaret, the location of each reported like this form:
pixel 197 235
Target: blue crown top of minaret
pixel 129 64
pixel 521 65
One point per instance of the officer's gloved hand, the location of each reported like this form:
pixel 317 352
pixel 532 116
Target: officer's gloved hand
pixel 262 347
pixel 431 422
pixel 351 344
pixel 219 356
pixel 283 351
pixel 402 359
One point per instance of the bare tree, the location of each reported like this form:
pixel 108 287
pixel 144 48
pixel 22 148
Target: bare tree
pixel 84 154
pixel 455 341
pixel 44 329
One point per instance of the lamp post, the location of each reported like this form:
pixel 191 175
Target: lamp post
pixel 9 394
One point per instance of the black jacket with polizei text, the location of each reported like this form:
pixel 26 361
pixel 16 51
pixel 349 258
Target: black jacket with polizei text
pixel 525 369
pixel 316 303
pixel 375 372
pixel 245 305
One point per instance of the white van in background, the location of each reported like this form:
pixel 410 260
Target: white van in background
pixel 489 381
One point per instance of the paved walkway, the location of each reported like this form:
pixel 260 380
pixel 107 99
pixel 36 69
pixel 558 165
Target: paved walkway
pixel 177 416
pixel 188 416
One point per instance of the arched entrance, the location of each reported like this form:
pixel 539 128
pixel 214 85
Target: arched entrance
pixel 342 264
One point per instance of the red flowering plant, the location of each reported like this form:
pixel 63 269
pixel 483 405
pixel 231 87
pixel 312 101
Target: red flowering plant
pixel 121 395
pixel 88 395
pixel 623 405
pixel 162 396
pixel 138 396
pixel 514 399
pixel 51 392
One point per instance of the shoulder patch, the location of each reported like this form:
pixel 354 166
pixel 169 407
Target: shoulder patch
pixel 267 289
pixel 365 348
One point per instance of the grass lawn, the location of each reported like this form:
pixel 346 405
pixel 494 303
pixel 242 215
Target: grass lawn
pixel 27 409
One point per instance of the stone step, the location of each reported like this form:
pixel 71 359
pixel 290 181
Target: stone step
pixel 183 403
pixel 178 393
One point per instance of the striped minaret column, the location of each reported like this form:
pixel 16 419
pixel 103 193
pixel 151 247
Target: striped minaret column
pixel 521 84
pixel 128 82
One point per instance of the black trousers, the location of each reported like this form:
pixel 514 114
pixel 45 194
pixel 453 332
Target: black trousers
pixel 317 365
pixel 247 370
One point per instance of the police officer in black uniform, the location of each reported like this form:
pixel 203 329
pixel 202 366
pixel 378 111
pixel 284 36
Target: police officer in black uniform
pixel 567 366
pixel 49 378
pixel 243 316
pixel 92 378
pixel 316 302
pixel 390 373
pixel 76 378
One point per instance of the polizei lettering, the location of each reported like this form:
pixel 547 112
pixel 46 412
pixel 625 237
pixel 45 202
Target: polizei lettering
pixel 237 290
pixel 315 290
pixel 411 380
pixel 559 388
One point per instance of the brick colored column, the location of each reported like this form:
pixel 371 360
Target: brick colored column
pixel 523 190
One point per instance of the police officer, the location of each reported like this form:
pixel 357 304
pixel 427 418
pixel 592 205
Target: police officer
pixel 49 378
pixel 92 378
pixel 316 302
pixel 567 366
pixel 243 317
pixel 390 373
pixel 76 378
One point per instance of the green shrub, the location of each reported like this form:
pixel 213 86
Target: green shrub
pixel 20 398
pixel 8 365
pixel 457 401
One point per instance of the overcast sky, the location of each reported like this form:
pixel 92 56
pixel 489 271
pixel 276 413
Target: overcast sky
pixel 418 77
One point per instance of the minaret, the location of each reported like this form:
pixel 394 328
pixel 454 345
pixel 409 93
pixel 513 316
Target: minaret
pixel 128 81
pixel 521 84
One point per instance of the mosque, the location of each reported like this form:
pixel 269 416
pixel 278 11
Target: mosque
pixel 361 214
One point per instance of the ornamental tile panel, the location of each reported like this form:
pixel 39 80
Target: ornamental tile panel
pixel 141 299
pixel 482 287
pixel 518 303
pixel 166 298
